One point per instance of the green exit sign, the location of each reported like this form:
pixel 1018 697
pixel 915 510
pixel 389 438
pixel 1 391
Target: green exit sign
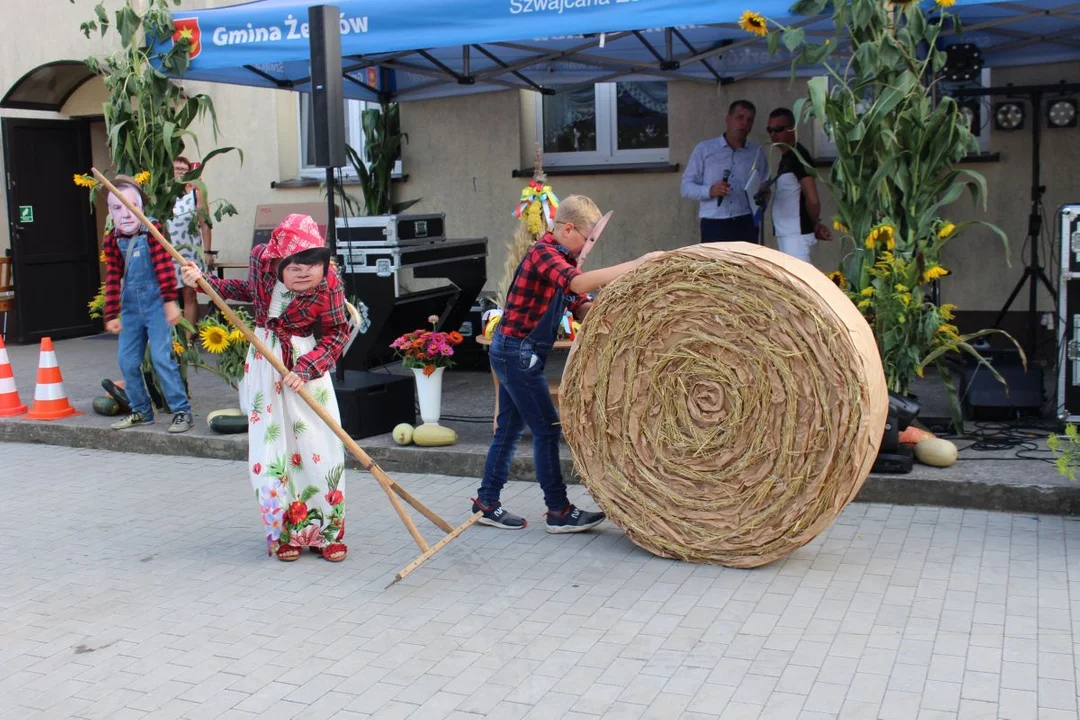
pixel 26 213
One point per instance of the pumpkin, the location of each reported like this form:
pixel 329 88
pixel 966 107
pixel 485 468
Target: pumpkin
pixel 403 433
pixel 432 435
pixel 936 452
pixel 912 435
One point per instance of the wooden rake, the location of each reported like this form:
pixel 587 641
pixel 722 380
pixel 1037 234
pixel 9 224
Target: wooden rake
pixel 390 487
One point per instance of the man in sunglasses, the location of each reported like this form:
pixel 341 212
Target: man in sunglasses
pixel 796 209
pixel 716 176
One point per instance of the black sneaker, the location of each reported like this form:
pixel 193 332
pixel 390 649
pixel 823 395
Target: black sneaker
pixel 498 516
pixel 573 520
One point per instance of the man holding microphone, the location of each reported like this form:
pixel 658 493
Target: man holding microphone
pixel 716 176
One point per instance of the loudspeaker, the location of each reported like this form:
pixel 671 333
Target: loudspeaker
pixel 373 403
pixel 327 93
pixel 984 398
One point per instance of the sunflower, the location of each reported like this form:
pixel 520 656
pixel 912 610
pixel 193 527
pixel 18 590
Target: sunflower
pixel 839 226
pixel 143 177
pixel 236 336
pixel 867 292
pixel 838 277
pixel 863 304
pixel 945 3
pixel 946 230
pixel 949 330
pixel 101 258
pixel 85 181
pixel 946 311
pixel 901 288
pixel 933 273
pixel 881 234
pixel 753 23
pixel 177 348
pixel 215 339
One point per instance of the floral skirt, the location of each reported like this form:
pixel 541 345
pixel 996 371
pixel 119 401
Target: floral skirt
pixel 296 464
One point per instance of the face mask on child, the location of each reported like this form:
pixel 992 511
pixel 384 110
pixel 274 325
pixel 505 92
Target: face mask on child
pixel 123 219
pixel 301 278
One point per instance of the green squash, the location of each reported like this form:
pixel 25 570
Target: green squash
pixel 228 422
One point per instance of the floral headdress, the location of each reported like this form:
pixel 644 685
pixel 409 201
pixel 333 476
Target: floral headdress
pixel 88 181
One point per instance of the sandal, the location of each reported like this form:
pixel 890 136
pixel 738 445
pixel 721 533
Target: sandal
pixel 288 553
pixel 335 552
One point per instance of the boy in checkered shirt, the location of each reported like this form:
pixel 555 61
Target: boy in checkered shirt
pixel 545 285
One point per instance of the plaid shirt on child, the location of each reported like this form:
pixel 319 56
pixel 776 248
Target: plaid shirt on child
pixel 546 267
pixel 324 304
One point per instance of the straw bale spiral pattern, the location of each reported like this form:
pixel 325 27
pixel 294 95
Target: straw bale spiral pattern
pixel 723 404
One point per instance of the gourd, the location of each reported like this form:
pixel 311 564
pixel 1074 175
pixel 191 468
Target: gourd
pixel 936 452
pixel 432 435
pixel 403 433
pixel 228 422
pixel 106 406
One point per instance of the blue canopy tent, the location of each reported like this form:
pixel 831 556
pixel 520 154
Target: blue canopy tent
pixel 415 49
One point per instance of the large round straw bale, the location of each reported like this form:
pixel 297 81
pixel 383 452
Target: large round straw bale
pixel 723 403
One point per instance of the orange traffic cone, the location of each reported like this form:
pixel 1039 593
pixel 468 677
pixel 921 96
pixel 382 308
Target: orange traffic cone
pixel 9 396
pixel 50 402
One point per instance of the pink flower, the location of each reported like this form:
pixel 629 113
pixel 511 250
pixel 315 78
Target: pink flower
pixel 308 537
pixel 433 319
pixel 334 497
pixel 316 458
pixel 256 468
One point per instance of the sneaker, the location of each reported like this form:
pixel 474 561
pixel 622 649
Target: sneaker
pixel 181 422
pixel 498 516
pixel 573 520
pixel 135 418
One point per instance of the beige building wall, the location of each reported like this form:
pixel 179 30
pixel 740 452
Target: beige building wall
pixel 462 152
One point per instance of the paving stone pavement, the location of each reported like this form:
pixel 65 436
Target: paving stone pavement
pixel 138 586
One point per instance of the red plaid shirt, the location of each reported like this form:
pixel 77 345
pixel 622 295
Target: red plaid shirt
pixel 324 305
pixel 162 262
pixel 547 267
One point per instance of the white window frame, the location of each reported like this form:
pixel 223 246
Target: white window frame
pixel 354 128
pixel 606 153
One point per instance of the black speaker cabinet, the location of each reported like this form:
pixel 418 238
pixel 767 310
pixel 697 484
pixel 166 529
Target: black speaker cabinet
pixel 372 403
pixel 983 397
pixel 327 93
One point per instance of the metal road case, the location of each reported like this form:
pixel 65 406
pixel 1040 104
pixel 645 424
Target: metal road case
pixel 1068 389
pixel 403 281
pixel 391 230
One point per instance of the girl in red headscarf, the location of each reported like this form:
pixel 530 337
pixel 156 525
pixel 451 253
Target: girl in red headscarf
pixel 295 462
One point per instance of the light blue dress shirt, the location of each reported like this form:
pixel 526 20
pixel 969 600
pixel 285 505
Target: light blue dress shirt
pixel 707 165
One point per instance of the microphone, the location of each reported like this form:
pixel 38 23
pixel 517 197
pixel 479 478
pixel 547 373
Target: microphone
pixel 727 174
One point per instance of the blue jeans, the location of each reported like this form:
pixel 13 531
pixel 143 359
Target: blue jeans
pixel 524 399
pixel 142 321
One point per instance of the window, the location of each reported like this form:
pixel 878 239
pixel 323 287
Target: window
pixel 608 123
pixel 354 137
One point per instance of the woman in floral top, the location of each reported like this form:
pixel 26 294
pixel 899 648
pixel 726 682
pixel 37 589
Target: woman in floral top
pixel 295 462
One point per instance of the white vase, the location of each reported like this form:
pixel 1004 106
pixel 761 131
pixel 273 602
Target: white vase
pixel 429 391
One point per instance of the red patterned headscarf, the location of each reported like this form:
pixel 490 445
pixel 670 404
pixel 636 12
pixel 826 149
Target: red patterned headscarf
pixel 296 233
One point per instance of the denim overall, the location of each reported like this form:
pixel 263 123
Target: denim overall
pixel 142 320
pixel 524 399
